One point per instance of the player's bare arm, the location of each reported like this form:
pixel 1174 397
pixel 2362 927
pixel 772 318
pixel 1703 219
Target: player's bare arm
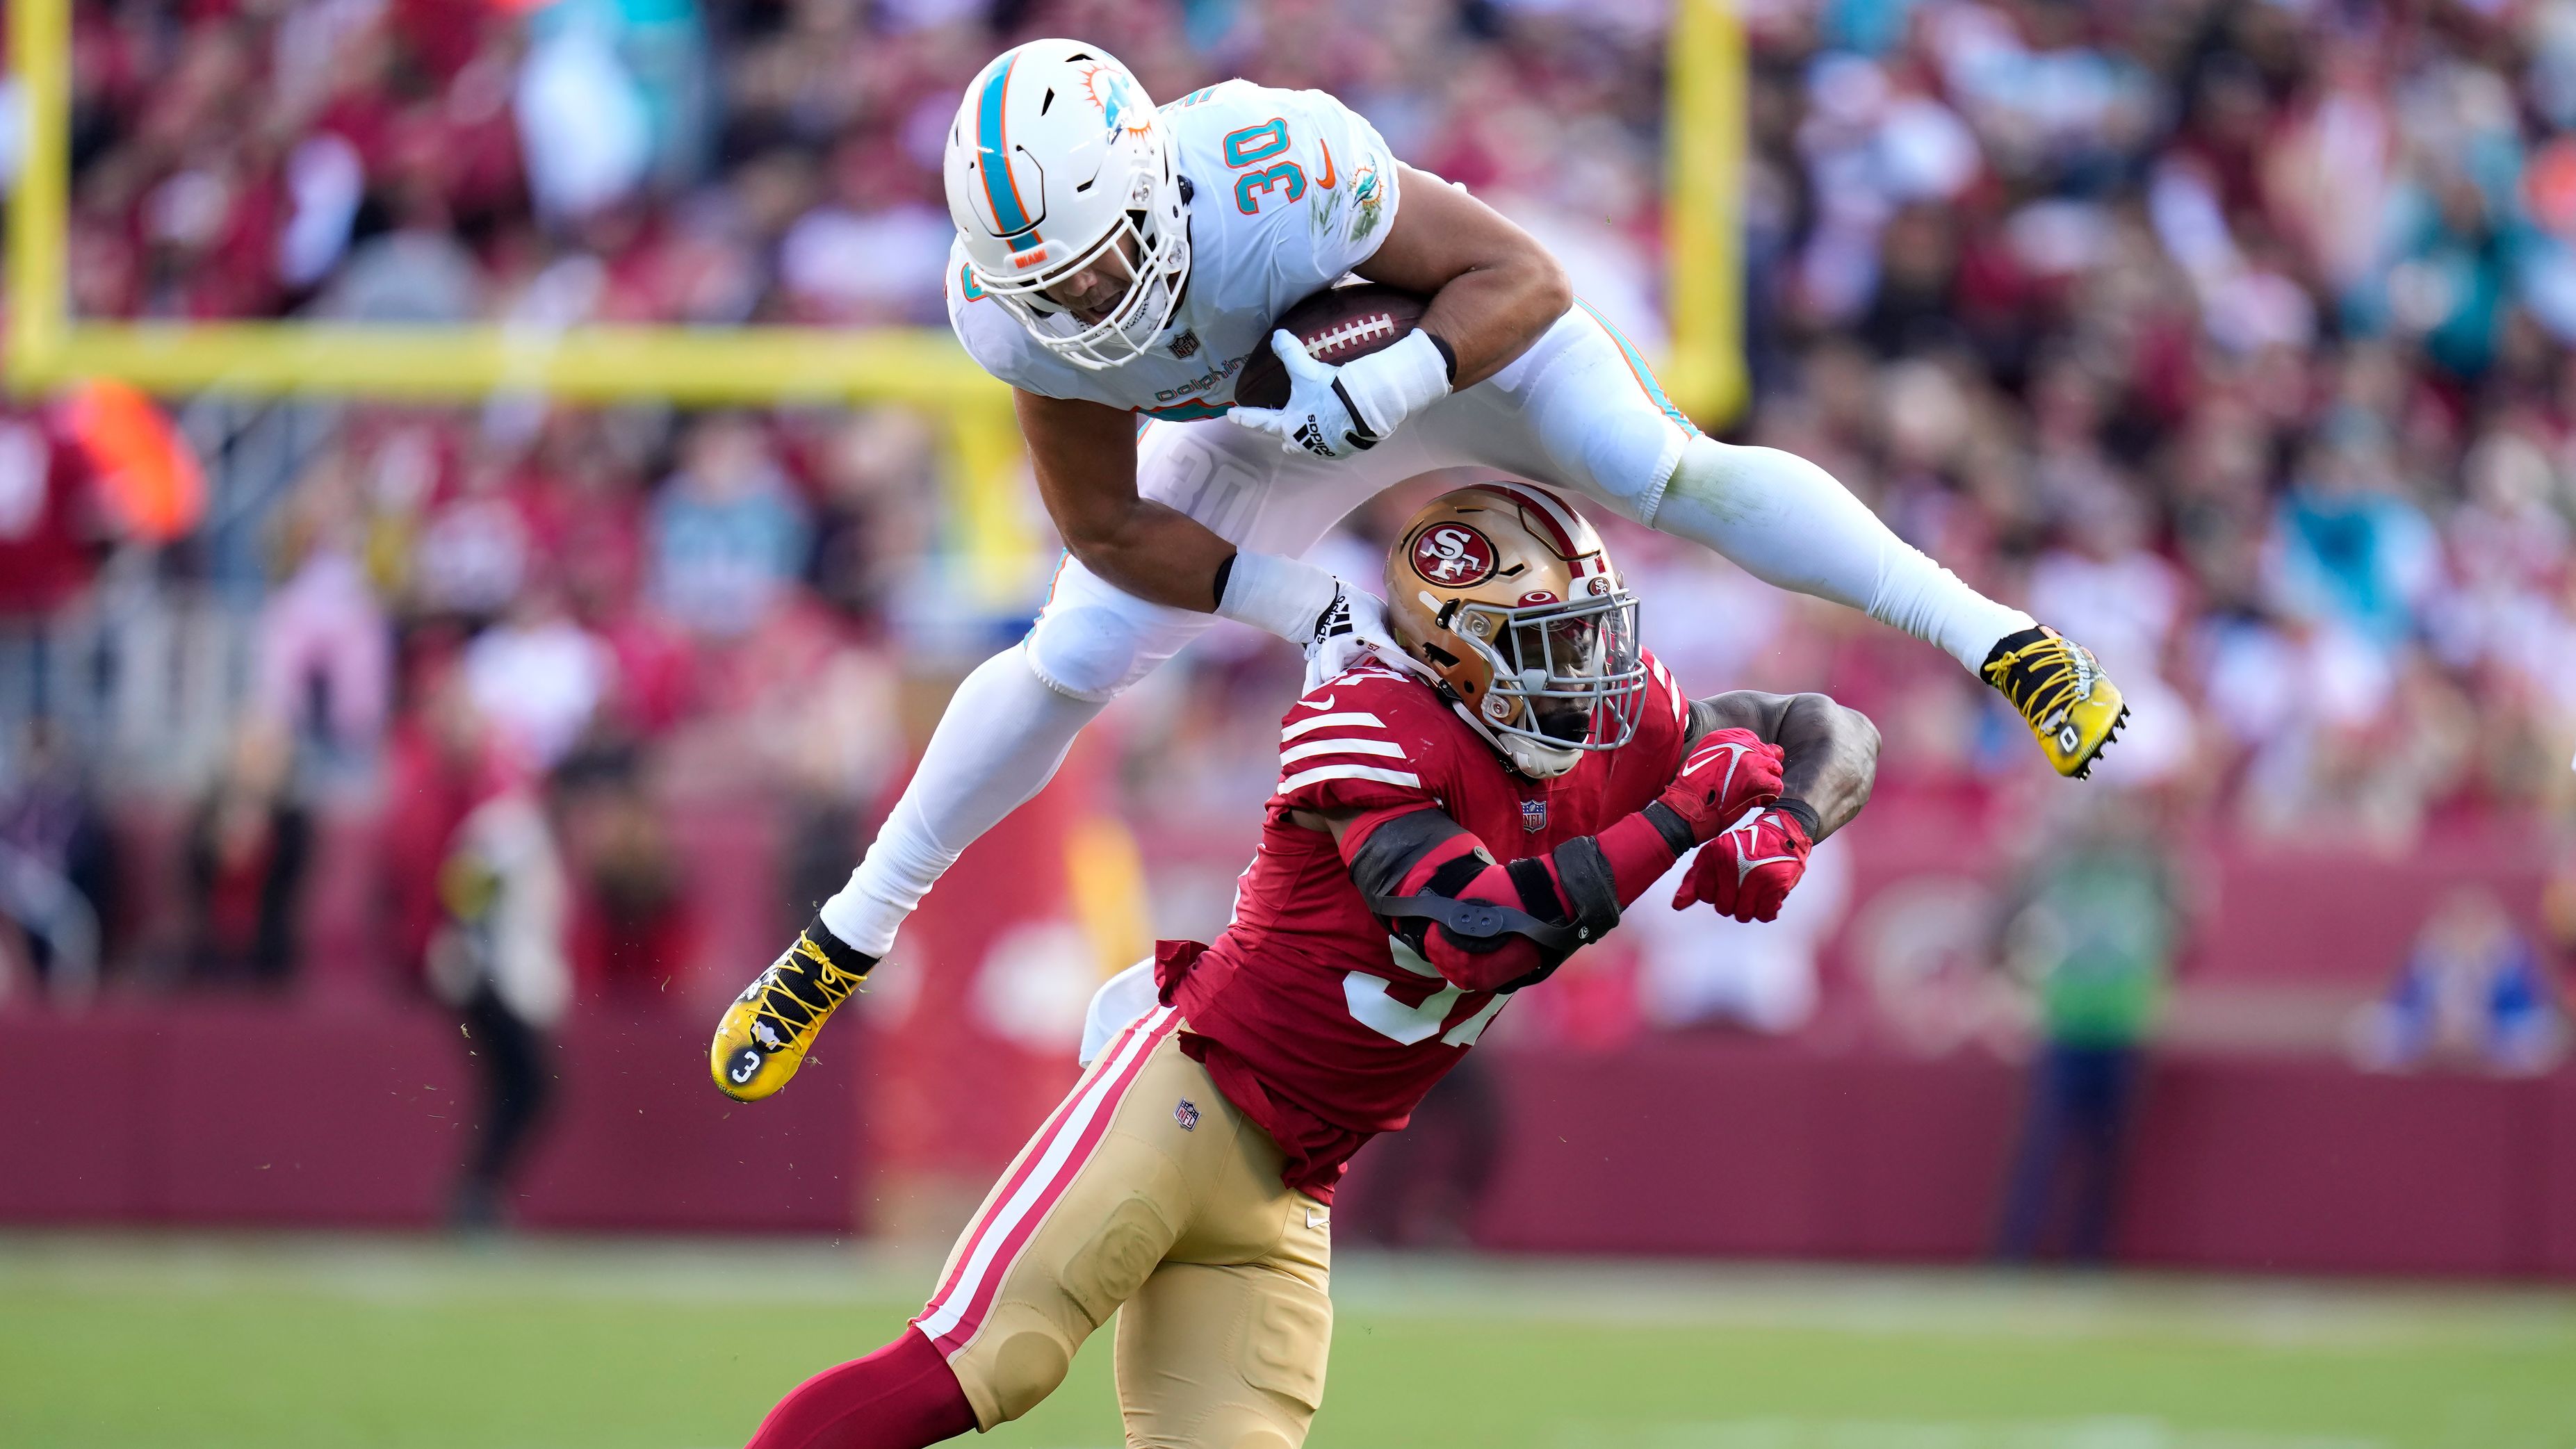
pixel 1748 870
pixel 1084 454
pixel 1493 288
pixel 1832 751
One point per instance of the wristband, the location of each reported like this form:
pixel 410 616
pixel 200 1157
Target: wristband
pixel 1384 388
pixel 1671 828
pixel 1800 811
pixel 1448 356
pixel 1277 594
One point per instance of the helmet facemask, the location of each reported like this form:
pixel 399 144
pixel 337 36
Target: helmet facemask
pixel 1504 593
pixel 1567 677
pixel 1151 238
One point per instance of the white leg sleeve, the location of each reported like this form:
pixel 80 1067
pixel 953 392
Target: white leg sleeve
pixel 999 743
pixel 1790 524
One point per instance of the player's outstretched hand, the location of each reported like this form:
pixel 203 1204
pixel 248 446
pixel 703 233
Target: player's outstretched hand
pixel 1352 630
pixel 1725 774
pixel 1747 871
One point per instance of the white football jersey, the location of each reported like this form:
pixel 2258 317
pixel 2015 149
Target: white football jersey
pixel 1289 190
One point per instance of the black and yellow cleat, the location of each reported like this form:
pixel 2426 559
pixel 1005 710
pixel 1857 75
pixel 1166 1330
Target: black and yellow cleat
pixel 767 1031
pixel 2060 688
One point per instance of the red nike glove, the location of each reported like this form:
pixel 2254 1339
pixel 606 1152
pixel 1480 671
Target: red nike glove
pixel 1725 774
pixel 1748 871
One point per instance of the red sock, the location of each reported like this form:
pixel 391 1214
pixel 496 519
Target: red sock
pixel 903 1396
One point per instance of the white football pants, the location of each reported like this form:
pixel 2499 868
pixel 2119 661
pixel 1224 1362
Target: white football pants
pixel 1579 411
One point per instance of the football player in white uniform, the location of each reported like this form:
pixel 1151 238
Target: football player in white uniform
pixel 1117 265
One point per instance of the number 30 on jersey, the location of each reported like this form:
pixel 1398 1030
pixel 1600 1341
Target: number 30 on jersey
pixel 1250 147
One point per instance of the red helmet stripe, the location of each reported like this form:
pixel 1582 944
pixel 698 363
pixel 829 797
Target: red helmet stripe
pixel 1559 520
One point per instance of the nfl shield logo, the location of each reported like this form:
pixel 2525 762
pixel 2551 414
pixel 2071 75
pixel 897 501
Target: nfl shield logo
pixel 1533 816
pixel 1185 344
pixel 1187 1114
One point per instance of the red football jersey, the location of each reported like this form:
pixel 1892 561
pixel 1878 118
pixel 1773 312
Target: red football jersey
pixel 1314 1021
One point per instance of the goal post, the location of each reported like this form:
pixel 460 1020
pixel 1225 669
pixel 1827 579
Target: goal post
pixel 48 347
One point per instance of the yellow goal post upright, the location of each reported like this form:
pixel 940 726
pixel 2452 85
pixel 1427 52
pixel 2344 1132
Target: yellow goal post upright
pixel 48 347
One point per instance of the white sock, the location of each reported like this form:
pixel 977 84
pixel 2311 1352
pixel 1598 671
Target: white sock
pixel 999 743
pixel 1790 524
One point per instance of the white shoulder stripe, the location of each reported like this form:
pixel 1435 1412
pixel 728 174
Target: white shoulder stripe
pixel 1312 748
pixel 1348 772
pixel 1319 721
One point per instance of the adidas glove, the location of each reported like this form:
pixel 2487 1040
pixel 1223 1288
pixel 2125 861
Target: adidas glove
pixel 1333 412
pixel 1352 630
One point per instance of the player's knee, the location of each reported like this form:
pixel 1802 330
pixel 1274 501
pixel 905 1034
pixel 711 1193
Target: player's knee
pixel 1088 653
pixel 1026 1368
pixel 1621 450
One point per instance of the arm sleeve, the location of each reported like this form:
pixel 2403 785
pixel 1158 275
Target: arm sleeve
pixel 1417 850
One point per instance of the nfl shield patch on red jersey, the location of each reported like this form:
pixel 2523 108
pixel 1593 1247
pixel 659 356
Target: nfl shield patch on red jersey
pixel 1533 816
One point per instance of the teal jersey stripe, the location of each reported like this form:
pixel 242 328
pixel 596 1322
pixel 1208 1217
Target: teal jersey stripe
pixel 1637 365
pixel 1181 412
pixel 999 188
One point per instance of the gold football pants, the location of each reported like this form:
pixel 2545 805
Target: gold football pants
pixel 1146 1191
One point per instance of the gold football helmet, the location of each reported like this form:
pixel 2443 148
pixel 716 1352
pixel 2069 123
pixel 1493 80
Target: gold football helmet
pixel 1507 595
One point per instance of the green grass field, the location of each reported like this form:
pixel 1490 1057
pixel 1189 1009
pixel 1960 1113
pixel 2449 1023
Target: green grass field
pixel 194 1343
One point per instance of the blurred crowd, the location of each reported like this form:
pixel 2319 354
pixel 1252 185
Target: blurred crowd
pixel 2230 336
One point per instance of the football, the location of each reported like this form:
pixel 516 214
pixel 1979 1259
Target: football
pixel 1338 325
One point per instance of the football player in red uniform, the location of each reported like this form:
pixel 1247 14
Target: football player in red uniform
pixel 1448 828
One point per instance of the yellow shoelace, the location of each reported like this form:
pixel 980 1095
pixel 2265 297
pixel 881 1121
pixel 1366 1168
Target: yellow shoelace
pixel 2026 678
pixel 785 1001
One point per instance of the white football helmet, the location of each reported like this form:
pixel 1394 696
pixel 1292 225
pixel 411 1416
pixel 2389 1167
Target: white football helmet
pixel 1058 161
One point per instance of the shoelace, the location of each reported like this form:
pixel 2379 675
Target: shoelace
pixel 800 988
pixel 2035 688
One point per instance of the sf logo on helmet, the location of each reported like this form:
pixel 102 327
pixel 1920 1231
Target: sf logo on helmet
pixel 1453 554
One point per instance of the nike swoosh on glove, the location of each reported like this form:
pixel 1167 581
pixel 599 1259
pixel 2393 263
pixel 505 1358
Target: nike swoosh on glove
pixel 1352 630
pixel 1747 871
pixel 1333 412
pixel 1725 774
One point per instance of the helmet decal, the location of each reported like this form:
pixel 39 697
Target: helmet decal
pixel 1453 554
pixel 1115 95
pixel 993 144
